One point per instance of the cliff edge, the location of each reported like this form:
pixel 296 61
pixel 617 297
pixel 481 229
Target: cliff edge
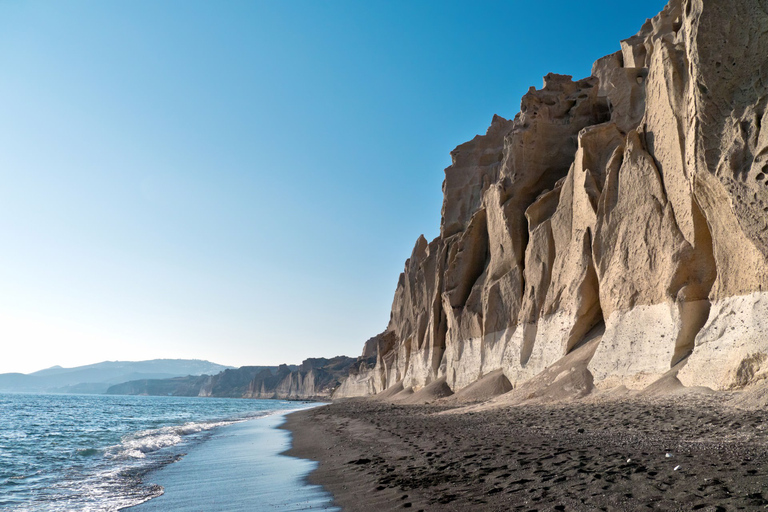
pixel 315 378
pixel 627 211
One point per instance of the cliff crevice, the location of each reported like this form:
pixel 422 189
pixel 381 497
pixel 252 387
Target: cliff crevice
pixel 633 201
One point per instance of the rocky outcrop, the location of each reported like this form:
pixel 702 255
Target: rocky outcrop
pixel 231 383
pixel 634 201
pixel 316 378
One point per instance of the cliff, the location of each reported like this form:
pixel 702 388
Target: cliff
pixel 628 209
pixel 313 379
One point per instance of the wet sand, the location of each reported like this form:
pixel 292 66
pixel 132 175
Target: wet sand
pixel 239 469
pixel 663 453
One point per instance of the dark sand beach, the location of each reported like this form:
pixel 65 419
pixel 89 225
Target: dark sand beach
pixel 675 452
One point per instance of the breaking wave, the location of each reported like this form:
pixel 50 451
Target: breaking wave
pixel 138 444
pixel 91 452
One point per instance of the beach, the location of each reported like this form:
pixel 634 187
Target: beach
pixel 239 469
pixel 675 452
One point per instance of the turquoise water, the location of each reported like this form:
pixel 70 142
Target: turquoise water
pixel 92 452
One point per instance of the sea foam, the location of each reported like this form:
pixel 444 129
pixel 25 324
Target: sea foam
pixel 138 444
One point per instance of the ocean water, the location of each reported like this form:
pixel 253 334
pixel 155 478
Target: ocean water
pixel 93 452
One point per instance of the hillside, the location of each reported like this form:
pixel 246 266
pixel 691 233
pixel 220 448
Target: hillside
pixel 314 378
pixel 96 378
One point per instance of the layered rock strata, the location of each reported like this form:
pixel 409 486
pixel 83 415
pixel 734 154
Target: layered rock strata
pixel 315 378
pixel 634 201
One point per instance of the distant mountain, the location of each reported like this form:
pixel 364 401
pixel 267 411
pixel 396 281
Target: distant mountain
pixel 231 383
pixel 314 378
pixel 97 378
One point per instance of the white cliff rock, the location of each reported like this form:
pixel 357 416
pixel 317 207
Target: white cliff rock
pixel 636 198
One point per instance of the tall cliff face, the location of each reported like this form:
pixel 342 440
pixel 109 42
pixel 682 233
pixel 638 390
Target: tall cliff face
pixel 632 204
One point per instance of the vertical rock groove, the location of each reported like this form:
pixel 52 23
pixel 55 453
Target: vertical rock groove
pixel 633 201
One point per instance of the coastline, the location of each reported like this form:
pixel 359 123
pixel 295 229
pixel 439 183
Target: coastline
pixel 596 454
pixel 344 448
pixel 240 468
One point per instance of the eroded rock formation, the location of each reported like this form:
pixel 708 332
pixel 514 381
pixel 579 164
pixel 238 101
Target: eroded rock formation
pixel 315 378
pixel 633 203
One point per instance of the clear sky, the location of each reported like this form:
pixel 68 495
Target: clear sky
pixel 242 181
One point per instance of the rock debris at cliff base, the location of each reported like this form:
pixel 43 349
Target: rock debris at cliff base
pixel 629 207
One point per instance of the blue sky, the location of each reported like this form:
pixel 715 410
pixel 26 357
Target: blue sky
pixel 243 181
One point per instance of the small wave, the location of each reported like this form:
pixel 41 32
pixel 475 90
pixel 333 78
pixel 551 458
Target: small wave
pixel 21 480
pixel 88 452
pixel 25 477
pixel 139 444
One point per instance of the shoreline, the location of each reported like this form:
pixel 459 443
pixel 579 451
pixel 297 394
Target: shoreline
pixel 324 437
pixel 240 468
pixel 686 452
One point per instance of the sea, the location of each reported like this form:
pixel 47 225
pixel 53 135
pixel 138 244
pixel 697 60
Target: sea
pixel 95 452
